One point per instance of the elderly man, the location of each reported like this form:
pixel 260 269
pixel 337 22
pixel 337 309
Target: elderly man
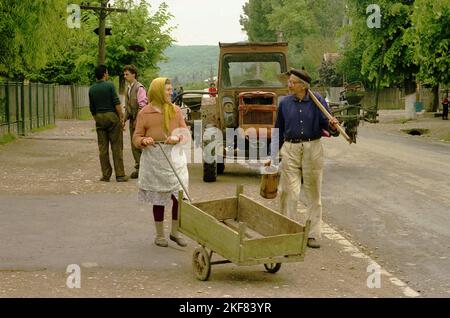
pixel 135 100
pixel 300 126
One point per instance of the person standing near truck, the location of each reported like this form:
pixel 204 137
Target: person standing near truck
pixel 212 90
pixel 135 100
pixel 301 124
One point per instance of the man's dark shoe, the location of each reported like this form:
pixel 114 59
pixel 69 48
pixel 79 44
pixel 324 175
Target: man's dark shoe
pixel 104 179
pixel 313 243
pixel 134 174
pixel 122 179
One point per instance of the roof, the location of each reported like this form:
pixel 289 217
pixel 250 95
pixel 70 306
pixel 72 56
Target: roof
pixel 252 44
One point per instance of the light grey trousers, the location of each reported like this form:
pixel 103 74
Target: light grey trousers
pixel 305 159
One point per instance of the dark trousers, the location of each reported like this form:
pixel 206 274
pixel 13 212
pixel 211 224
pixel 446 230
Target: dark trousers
pixel 109 132
pixel 136 151
pixel 444 111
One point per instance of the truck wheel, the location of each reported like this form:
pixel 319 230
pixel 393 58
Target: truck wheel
pixel 209 171
pixel 272 267
pixel 221 166
pixel 209 145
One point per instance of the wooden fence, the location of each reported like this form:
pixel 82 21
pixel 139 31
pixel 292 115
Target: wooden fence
pixel 389 98
pixel 70 100
pixel 25 106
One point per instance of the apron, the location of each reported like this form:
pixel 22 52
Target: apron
pixel 157 181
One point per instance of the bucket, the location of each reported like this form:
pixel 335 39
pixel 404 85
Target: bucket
pixel 269 183
pixel 419 106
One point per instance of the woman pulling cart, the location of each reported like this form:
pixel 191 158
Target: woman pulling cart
pixel 162 122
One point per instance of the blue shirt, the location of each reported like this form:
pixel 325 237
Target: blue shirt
pixel 300 119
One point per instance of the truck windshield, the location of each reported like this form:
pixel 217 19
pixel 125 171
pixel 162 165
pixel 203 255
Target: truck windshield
pixel 253 70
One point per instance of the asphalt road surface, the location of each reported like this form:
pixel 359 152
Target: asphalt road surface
pixel 392 194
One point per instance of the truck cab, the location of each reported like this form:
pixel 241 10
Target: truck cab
pixel 251 82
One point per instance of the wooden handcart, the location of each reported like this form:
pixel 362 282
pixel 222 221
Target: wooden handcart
pixel 241 231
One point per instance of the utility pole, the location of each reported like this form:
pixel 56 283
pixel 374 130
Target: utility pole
pixel 374 112
pixel 102 12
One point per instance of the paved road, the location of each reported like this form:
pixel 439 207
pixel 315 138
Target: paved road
pixel 392 194
pixel 54 212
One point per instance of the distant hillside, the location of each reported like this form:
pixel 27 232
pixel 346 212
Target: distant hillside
pixel 190 63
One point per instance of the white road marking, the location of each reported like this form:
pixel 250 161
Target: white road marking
pixel 331 234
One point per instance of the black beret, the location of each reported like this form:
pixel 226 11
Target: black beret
pixel 302 74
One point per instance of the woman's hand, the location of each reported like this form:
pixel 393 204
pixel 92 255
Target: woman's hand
pixel 147 141
pixel 172 140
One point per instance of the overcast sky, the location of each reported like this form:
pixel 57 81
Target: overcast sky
pixel 205 22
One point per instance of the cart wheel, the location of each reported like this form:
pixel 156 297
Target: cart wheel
pixel 201 263
pixel 272 267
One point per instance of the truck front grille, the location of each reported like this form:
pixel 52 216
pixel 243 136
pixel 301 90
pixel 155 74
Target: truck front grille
pixel 258 117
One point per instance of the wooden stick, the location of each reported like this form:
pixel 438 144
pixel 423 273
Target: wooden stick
pixel 328 115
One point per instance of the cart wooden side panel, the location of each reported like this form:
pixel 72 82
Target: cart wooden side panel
pixel 282 239
pixel 265 220
pixel 275 249
pixel 220 209
pixel 243 231
pixel 209 232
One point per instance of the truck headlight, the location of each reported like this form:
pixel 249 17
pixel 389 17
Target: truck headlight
pixel 228 107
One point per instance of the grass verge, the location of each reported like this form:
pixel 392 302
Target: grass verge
pixel 84 114
pixel 7 138
pixel 43 128
pixel 400 121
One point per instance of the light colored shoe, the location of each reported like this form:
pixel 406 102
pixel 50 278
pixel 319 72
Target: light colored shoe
pixel 313 243
pixel 161 241
pixel 178 239
pixel 175 235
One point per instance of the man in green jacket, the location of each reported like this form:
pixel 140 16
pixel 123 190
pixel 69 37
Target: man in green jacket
pixel 105 107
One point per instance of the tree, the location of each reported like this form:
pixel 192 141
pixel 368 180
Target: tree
pixel 328 75
pixel 254 21
pixel 349 64
pixel 32 34
pixel 430 41
pixel 386 48
pixel 139 29
pixel 136 28
pixel 309 27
